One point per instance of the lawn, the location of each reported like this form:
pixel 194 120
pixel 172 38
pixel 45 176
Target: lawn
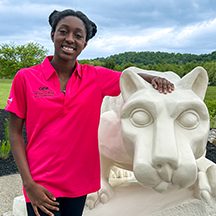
pixel 5 86
pixel 211 93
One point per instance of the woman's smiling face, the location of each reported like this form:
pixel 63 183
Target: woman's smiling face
pixel 69 38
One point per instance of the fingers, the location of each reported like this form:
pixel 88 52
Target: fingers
pixel 162 85
pixel 35 210
pixel 42 208
pixel 171 87
pixel 50 203
pixel 50 195
pixel 46 203
pixel 46 208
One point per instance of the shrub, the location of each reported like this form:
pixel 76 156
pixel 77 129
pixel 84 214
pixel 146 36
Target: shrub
pixel 4 149
pixel 5 144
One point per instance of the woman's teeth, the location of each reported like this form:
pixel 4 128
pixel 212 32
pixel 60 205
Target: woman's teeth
pixel 68 48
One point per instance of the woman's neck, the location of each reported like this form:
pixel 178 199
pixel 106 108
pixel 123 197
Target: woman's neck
pixel 63 68
pixel 64 71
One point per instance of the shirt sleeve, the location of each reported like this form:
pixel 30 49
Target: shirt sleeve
pixel 109 81
pixel 16 102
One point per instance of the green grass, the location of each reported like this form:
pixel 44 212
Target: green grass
pixel 211 93
pixel 5 86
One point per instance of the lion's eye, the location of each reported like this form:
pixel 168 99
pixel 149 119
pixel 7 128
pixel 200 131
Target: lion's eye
pixel 188 119
pixel 140 118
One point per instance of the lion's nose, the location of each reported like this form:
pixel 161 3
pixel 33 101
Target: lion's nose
pixel 165 155
pixel 165 171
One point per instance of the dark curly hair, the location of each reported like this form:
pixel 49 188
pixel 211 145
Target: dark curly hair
pixel 56 16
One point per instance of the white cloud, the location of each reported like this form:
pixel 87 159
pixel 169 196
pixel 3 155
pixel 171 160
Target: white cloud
pixel 186 26
pixel 188 39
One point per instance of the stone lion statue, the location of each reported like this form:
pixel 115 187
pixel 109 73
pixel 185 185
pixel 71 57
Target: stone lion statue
pixel 160 138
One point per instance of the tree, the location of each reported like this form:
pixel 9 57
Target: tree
pixel 110 63
pixel 14 57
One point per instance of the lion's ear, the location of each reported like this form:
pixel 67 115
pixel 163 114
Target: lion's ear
pixel 196 80
pixel 130 82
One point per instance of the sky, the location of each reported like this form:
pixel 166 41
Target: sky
pixel 173 26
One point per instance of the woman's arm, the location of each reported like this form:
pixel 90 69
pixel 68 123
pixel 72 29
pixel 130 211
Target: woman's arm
pixel 159 83
pixel 37 194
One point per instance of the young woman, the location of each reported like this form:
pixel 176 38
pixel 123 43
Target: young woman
pixel 59 100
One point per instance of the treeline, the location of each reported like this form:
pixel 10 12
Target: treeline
pixel 159 61
pixel 14 57
pixel 145 58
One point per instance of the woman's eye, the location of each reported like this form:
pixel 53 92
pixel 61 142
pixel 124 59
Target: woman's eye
pixel 62 31
pixel 188 119
pixel 79 36
pixel 141 118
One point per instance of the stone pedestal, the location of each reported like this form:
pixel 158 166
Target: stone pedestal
pixel 132 199
pixel 19 206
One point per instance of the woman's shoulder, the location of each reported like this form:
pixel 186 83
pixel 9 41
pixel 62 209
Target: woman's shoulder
pixel 86 69
pixel 33 69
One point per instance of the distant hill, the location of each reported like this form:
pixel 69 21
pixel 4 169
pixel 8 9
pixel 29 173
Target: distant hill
pixel 179 63
pixel 145 58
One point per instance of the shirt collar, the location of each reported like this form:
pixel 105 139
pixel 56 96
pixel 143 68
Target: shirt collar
pixel 78 69
pixel 48 69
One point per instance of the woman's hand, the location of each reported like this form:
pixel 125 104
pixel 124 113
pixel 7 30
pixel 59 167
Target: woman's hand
pixel 162 85
pixel 159 83
pixel 41 198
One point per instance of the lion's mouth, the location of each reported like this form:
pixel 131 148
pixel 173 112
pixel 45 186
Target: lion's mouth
pixel 165 178
pixel 161 187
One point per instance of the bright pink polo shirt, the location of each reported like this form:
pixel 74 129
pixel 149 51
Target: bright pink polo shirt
pixel 62 130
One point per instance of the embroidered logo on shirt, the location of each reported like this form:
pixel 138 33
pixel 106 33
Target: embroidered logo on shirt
pixel 9 100
pixel 43 92
pixel 43 88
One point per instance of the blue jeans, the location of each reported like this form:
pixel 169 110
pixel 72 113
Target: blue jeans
pixel 67 207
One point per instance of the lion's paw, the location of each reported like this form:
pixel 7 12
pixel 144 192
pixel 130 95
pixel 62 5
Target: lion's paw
pixel 206 185
pixel 102 196
pixel 92 200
